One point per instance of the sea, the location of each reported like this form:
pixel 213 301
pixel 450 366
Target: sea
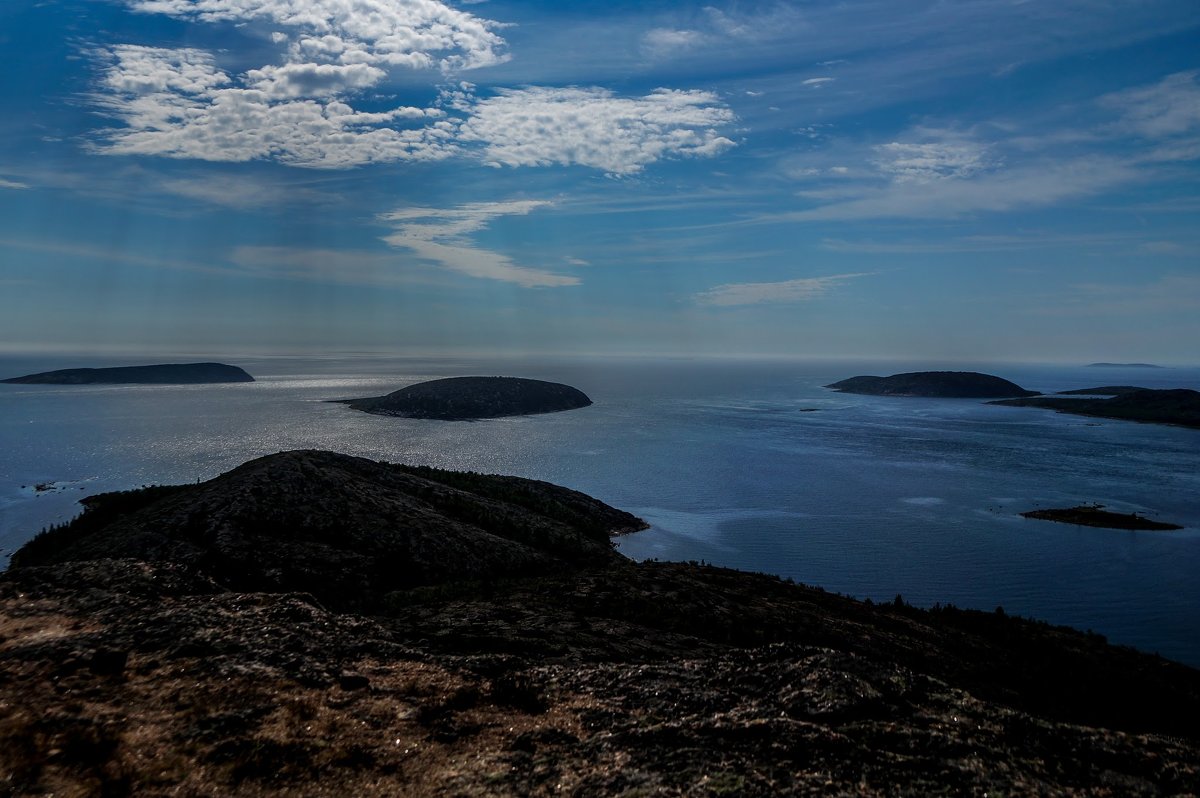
pixel 745 463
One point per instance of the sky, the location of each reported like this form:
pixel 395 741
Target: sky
pixel 978 180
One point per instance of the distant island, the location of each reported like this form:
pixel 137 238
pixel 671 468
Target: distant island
pixel 1096 515
pixel 1103 390
pixel 1178 406
pixel 468 398
pixel 1123 366
pixel 946 384
pixel 162 374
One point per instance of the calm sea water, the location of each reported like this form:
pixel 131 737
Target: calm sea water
pixel 747 464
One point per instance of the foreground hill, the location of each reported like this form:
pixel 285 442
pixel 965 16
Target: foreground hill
pixel 1172 406
pixel 346 529
pixel 947 384
pixel 162 374
pixel 174 673
pixel 465 398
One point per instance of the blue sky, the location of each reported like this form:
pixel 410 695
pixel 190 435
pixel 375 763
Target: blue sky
pixel 973 180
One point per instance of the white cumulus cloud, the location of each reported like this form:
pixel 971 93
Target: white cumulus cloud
pixel 443 236
pixel 312 80
pixel 182 103
pixel 929 161
pixel 177 103
pixel 415 33
pixel 541 126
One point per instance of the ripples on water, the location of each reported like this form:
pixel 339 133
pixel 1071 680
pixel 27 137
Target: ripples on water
pixel 751 465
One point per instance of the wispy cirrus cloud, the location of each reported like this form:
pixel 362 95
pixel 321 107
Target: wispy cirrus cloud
pixel 12 184
pixel 776 293
pixel 662 42
pixel 1032 186
pixel 925 162
pixel 443 237
pixel 1168 108
pixel 322 265
pixel 242 192
pixel 1167 294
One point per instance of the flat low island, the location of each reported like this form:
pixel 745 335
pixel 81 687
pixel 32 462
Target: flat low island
pixel 160 374
pixel 1097 516
pixel 469 398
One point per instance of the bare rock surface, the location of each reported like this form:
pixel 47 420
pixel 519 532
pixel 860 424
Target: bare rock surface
pixel 597 677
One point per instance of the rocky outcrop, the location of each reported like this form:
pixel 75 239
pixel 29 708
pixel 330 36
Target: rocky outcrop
pixel 348 530
pixel 169 675
pixel 948 384
pixel 163 374
pixel 466 398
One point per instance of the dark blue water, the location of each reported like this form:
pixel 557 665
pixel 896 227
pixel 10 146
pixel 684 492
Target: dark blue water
pixel 748 464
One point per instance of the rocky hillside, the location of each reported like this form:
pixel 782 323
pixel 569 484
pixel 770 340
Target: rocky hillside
pixel 466 398
pixel 173 674
pixel 348 530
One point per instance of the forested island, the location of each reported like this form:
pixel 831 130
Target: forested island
pixel 161 374
pixel 1178 406
pixel 946 384
pixel 468 398
pixel 319 624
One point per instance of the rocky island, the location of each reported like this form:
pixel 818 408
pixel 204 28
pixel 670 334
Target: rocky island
pixel 467 398
pixel 162 374
pixel 1178 406
pixel 1097 516
pixel 322 625
pixel 945 384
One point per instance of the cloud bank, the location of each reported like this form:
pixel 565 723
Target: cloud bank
pixel 180 103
